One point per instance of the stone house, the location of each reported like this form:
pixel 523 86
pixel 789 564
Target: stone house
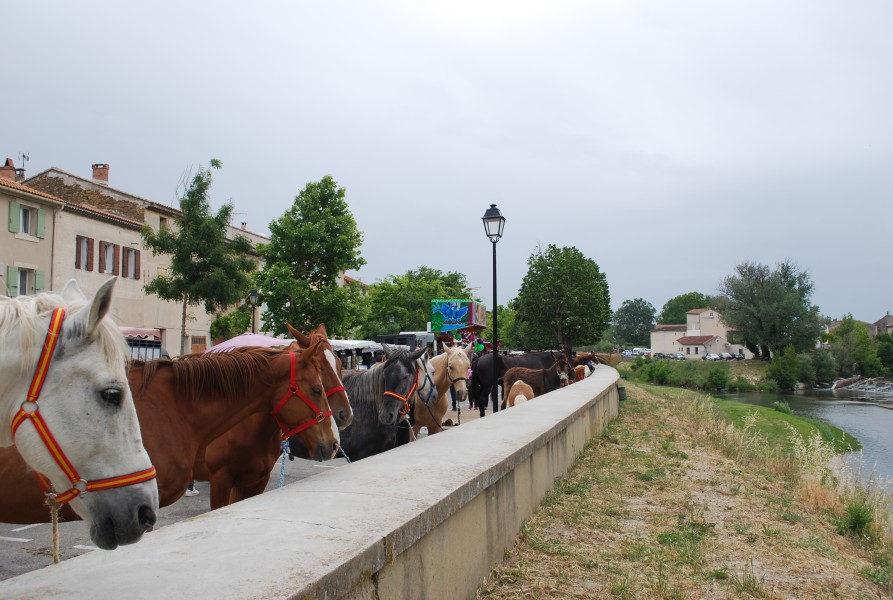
pixel 703 333
pixel 97 235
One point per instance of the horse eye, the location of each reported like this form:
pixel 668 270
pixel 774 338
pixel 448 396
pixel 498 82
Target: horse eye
pixel 112 396
pixel 317 390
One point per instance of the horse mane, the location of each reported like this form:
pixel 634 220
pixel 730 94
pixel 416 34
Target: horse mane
pixel 27 316
pixel 232 375
pixel 364 384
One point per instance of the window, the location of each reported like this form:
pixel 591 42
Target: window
pixel 130 263
pixel 108 258
pixel 21 281
pixel 26 220
pixel 83 253
pixel 24 280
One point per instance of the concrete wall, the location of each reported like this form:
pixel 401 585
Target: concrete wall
pixel 426 520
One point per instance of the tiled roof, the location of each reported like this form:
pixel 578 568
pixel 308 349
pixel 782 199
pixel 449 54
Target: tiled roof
pixel 695 340
pixel 23 188
pixel 671 327
pixel 697 311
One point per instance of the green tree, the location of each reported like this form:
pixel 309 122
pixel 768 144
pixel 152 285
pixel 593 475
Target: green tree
pixel 676 309
pixel 206 268
pixel 854 349
pixel 770 309
pixel 784 369
pixel 634 321
pixel 508 328
pixel 403 302
pixel 311 245
pixel 563 300
pixel 884 343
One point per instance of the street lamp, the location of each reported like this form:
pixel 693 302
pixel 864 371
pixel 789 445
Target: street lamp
pixel 494 223
pixel 252 300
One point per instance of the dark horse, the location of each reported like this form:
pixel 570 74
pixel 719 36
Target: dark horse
pixel 483 384
pixel 379 397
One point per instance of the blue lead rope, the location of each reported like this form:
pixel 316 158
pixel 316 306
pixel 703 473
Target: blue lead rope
pixel 282 470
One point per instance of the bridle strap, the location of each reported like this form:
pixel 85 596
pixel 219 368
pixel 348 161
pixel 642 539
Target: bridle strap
pixel 405 399
pixel 294 391
pixel 30 411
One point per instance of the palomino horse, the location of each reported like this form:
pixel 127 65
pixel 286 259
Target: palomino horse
pixel 542 381
pixel 379 397
pixel 68 410
pixel 483 385
pixel 184 404
pixel 518 393
pixel 450 370
pixel 238 463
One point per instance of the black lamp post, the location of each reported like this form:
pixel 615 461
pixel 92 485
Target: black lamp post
pixel 252 300
pixel 494 222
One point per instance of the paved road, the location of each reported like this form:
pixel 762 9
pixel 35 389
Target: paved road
pixel 24 548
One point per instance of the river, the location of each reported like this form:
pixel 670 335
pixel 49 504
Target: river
pixel 868 417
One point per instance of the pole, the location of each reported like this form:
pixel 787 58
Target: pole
pixel 253 319
pixel 495 392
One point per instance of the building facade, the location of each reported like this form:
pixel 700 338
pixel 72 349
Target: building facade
pixel 703 333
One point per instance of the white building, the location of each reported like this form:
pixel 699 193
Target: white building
pixel 703 333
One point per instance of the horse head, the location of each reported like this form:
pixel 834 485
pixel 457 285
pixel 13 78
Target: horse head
pixel 400 383
pixel 331 373
pixel 426 391
pixel 457 366
pixel 78 394
pixel 564 368
pixel 303 410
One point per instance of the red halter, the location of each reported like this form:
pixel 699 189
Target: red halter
pixel 405 399
pixel 29 410
pixel 294 391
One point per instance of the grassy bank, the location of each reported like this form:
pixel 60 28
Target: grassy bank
pixel 677 501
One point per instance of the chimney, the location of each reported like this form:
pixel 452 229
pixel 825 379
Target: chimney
pixel 20 175
pixel 244 225
pixel 101 173
pixel 8 171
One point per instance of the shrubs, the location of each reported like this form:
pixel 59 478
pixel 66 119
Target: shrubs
pixel 784 368
pixel 718 377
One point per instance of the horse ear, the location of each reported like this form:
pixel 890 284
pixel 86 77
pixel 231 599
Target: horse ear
pixel 303 340
pixel 72 292
pixel 321 330
pixel 97 308
pixel 386 349
pixel 417 354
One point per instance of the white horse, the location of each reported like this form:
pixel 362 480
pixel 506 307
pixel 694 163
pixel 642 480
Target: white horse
pixel 450 370
pixel 66 406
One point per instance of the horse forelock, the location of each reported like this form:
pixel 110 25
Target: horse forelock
pixel 28 318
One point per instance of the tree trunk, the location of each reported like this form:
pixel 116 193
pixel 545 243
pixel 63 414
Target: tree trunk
pixel 755 350
pixel 183 335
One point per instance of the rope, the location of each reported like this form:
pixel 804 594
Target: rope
pixel 284 446
pixel 54 519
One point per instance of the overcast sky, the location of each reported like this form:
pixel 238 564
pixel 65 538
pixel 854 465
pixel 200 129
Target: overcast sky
pixel 667 141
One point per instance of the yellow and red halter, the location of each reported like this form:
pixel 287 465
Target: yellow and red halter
pixel 30 411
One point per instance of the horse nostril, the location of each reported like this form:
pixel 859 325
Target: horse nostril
pixel 146 517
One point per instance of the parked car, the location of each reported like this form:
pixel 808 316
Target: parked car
pixel 726 356
pixel 679 356
pixel 710 356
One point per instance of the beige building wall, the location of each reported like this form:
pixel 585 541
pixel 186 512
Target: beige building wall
pixel 27 254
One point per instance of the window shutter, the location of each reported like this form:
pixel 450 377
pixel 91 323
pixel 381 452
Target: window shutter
pixel 116 259
pixel 14 217
pixel 89 254
pixel 12 281
pixel 125 260
pixel 78 259
pixel 136 264
pixel 41 224
pixel 38 281
pixel 102 246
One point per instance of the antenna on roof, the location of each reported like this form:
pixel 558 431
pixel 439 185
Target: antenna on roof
pixel 23 158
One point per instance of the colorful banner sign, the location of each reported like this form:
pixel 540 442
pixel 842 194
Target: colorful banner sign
pixel 450 315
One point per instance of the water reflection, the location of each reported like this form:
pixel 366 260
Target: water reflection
pixel 867 416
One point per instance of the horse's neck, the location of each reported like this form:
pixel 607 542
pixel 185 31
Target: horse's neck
pixel 441 365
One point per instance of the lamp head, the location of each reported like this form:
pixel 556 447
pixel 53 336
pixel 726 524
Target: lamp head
pixel 494 223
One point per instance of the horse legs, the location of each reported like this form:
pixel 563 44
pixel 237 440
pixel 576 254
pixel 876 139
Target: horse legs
pixel 249 491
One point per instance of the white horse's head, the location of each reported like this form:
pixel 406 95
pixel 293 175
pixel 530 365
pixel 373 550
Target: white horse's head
pixel 86 406
pixel 457 366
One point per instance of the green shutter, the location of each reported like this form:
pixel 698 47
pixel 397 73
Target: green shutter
pixel 14 217
pixel 38 281
pixel 40 223
pixel 12 281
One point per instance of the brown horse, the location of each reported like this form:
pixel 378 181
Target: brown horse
pixel 184 404
pixel 238 463
pixel 450 370
pixel 542 381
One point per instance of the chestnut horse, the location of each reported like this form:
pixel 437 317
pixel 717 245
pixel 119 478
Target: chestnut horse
pixel 239 462
pixel 184 404
pixel 542 381
pixel 450 370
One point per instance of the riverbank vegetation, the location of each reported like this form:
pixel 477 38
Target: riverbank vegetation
pixel 679 499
